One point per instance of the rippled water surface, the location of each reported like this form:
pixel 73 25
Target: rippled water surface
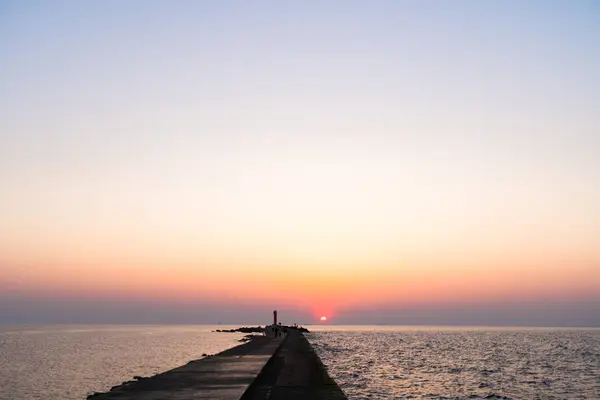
pixel 462 363
pixel 68 362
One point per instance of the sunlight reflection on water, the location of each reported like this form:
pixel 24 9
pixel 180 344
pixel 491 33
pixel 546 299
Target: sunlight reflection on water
pixel 461 363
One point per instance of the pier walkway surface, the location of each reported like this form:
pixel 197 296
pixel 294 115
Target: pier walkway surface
pixel 295 372
pixel 263 369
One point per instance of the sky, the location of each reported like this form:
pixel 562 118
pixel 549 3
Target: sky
pixel 397 162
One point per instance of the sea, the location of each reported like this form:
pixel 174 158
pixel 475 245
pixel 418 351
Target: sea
pixel 462 363
pixel 368 362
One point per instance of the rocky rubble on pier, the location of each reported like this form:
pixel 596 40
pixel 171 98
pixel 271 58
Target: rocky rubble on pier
pixel 243 329
pixel 259 329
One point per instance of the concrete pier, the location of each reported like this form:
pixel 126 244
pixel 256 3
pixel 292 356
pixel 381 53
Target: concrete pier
pixel 295 372
pixel 263 369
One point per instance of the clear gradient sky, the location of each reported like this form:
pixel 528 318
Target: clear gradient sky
pixel 375 162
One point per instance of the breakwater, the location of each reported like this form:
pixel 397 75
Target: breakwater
pixel 295 372
pixel 271 368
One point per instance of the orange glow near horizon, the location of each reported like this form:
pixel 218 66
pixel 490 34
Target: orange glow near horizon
pixel 331 277
pixel 324 291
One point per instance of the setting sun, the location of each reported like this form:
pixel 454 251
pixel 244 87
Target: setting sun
pixel 323 318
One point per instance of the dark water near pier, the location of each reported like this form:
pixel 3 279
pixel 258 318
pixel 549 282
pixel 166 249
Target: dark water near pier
pixel 462 363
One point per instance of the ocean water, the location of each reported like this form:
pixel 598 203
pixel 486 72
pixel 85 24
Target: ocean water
pixel 461 363
pixel 69 362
